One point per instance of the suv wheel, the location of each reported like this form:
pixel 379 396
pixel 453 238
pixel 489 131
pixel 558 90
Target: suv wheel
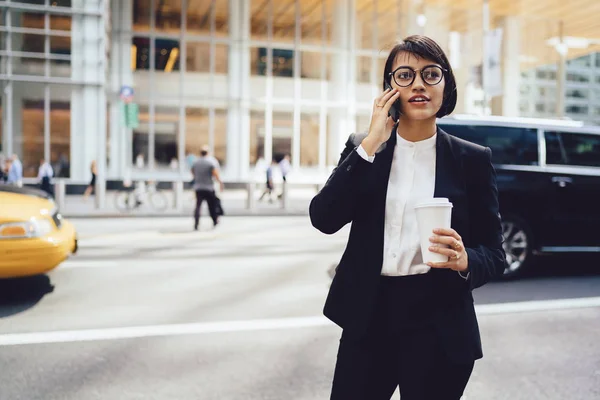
pixel 517 245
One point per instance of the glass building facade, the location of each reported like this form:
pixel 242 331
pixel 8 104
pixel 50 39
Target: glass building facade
pixel 253 79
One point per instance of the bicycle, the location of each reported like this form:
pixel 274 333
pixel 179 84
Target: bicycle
pixel 129 199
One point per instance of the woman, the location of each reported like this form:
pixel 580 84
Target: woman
pixel 92 185
pixel 406 323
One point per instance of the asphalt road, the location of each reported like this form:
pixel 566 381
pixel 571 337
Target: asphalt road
pixel 149 309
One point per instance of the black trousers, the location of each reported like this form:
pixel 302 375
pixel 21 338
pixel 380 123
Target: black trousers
pixel 211 200
pixel 401 348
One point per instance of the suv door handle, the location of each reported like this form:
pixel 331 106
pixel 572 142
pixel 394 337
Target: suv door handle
pixel 562 181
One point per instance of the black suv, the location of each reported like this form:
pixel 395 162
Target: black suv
pixel 548 182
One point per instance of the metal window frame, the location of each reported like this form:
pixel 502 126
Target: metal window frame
pixel 47 56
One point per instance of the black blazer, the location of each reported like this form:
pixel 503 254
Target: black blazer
pixel 356 192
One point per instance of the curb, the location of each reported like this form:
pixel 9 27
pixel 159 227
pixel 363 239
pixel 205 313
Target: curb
pixel 266 213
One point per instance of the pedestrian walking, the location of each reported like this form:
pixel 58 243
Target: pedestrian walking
pixel 45 174
pixel 15 172
pixel 285 167
pixel 269 185
pixel 407 322
pixel 205 172
pixel 92 185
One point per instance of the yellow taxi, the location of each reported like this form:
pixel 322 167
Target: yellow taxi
pixel 34 238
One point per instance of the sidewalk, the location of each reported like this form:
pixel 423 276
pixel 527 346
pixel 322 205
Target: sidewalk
pixel 233 201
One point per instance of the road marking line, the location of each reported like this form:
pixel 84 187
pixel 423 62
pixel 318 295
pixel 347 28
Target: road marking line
pixel 69 264
pixel 256 325
pixel 539 305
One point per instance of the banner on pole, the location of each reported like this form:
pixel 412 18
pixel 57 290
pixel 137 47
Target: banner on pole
pixel 492 75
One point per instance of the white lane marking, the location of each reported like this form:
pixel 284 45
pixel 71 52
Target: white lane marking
pixel 68 264
pixel 160 330
pixel 13 339
pixel 539 305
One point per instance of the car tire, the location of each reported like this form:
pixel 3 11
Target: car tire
pixel 518 246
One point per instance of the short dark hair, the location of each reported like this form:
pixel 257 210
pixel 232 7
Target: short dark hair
pixel 424 47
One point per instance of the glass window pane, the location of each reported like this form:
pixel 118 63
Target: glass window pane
pixel 196 133
pixel 509 145
pixel 166 53
pixel 283 62
pixel 309 139
pixel 258 61
pixel 60 46
pixel 140 148
pixel 141 15
pixel 32 136
pixel 28 42
pixel 310 65
pixel 282 133
pixel 140 53
pixel 364 25
pixel 576 77
pixel 60 129
pixel 575 149
pixel 575 109
pixel 167 16
pixel 221 59
pixel 28 66
pixel 257 137
pixel 199 15
pixel 220 124
pixel 387 23
pixel 311 22
pixel 259 11
pixel 60 22
pixel 166 133
pixel 578 93
pixel 554 150
pixel 363 69
pixel 284 22
pixel 197 57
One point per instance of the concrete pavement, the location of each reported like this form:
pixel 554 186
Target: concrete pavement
pixel 149 309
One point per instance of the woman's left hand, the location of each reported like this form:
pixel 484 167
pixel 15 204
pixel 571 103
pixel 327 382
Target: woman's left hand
pixel 458 260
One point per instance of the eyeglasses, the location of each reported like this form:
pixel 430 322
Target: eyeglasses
pixel 405 76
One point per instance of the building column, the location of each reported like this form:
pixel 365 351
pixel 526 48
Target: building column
pixel 437 26
pixel 342 118
pixel 458 56
pixel 238 118
pixel 88 102
pixel 15 127
pixel 508 103
pixel 121 75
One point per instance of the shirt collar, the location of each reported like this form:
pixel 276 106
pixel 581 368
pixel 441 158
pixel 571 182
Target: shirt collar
pixel 420 145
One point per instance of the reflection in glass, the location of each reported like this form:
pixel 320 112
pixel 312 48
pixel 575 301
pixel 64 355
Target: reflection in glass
pixel 166 54
pixel 60 130
pixel 309 140
pixel 32 135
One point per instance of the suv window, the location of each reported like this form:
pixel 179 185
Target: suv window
pixel 509 145
pixel 579 149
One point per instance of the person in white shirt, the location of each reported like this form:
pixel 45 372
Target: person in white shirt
pixel 45 174
pixel 407 323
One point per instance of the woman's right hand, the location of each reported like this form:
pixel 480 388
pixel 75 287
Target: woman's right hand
pixel 381 123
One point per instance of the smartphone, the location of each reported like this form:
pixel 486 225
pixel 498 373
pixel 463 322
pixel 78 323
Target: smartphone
pixel 395 108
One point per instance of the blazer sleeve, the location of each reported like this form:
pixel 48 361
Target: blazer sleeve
pixel 487 259
pixel 335 205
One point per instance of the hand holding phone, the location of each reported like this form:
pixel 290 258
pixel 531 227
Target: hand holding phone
pixel 395 108
pixel 381 121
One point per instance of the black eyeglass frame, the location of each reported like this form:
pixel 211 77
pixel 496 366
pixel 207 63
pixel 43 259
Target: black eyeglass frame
pixel 444 71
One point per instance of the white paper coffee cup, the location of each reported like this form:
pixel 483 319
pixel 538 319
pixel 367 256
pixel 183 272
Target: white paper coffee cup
pixel 432 214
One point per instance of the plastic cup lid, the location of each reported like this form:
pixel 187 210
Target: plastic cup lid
pixel 433 202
